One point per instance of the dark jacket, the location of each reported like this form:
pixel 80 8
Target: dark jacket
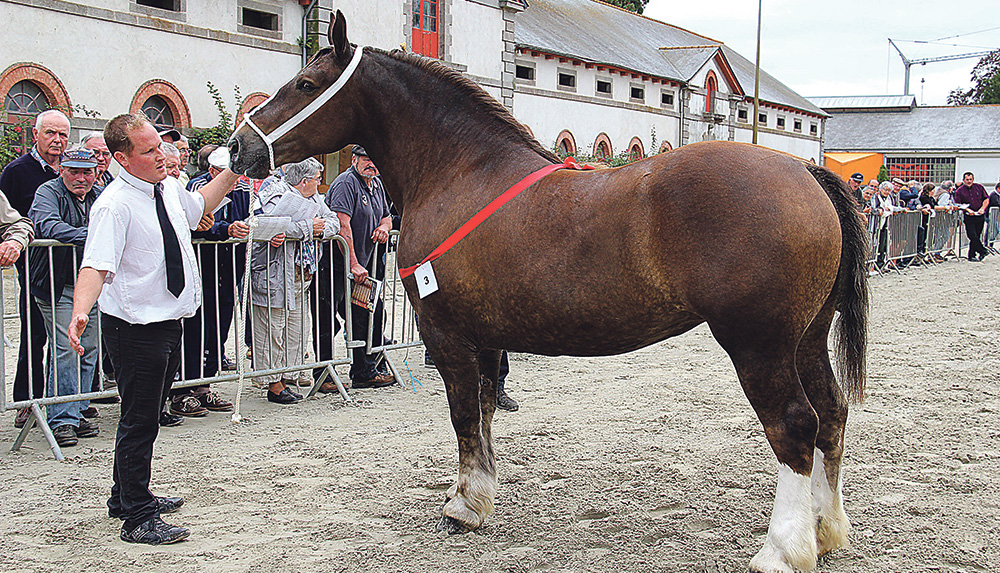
pixel 57 215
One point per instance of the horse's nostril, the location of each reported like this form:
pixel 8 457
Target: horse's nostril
pixel 234 150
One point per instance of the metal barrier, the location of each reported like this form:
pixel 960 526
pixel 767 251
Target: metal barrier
pixel 992 229
pixel 222 266
pixel 908 237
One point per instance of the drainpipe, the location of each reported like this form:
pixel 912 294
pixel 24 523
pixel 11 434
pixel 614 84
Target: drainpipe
pixel 305 31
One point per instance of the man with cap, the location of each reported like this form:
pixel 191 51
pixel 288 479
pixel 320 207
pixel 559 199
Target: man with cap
pixel 146 276
pixel 18 182
pixel 218 288
pixel 61 212
pixel 358 199
pixel 855 184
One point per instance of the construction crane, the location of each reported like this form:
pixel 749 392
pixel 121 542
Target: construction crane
pixel 908 62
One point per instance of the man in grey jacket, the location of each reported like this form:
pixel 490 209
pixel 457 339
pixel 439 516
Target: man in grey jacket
pixel 61 211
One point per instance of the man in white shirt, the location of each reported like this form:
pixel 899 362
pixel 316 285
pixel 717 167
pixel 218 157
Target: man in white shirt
pixel 138 259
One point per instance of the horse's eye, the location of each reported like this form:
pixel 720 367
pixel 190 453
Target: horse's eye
pixel 306 86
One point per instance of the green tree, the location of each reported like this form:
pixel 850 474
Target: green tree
pixel 218 134
pixel 985 83
pixel 630 5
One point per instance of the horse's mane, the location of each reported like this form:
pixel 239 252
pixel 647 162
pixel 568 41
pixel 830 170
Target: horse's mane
pixel 485 102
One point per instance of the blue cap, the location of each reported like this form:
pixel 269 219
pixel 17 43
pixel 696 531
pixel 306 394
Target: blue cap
pixel 79 157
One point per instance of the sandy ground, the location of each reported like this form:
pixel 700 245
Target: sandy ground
pixel 652 461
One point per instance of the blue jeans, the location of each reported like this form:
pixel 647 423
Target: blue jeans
pixel 63 377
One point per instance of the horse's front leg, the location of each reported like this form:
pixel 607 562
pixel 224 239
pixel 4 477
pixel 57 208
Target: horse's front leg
pixel 470 500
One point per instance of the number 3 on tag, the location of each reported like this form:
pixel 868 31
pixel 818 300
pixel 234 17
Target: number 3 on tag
pixel 426 282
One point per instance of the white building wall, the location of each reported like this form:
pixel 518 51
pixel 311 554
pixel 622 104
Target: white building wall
pixel 378 23
pixel 985 167
pixel 477 39
pixel 548 116
pixel 104 77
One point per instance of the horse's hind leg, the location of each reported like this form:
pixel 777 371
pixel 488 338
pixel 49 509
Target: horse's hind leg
pixel 765 365
pixel 816 374
pixel 470 500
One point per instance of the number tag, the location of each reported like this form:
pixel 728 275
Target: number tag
pixel 426 282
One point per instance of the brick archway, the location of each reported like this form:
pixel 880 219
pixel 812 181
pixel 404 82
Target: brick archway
pixel 566 143
pixel 170 94
pixel 251 101
pixel 54 90
pixel 665 146
pixel 603 141
pixel 635 149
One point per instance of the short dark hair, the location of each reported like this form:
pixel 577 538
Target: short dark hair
pixel 117 134
pixel 968 173
pixel 203 154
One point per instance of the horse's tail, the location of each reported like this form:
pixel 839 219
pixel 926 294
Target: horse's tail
pixel 852 284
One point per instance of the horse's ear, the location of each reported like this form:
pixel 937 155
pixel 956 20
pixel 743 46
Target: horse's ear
pixel 338 35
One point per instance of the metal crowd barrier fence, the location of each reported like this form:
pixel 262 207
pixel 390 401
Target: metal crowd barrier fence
pixel 224 312
pixel 908 237
pixel 992 230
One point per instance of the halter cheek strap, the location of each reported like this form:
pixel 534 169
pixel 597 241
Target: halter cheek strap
pixel 302 115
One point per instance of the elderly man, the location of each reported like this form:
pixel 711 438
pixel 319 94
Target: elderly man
pixel 146 276
pixel 359 201
pixel 60 212
pixel 185 151
pixel 854 182
pixel 977 200
pixel 18 182
pixel 172 162
pixel 95 141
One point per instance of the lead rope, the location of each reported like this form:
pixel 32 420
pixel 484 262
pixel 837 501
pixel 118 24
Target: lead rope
pixel 241 317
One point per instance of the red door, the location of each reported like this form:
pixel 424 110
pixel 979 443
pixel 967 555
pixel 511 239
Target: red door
pixel 425 28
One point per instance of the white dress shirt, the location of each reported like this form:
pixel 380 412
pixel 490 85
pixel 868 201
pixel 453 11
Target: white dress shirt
pixel 124 239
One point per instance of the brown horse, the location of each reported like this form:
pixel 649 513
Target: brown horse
pixel 706 233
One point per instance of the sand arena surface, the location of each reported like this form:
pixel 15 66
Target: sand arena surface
pixel 651 461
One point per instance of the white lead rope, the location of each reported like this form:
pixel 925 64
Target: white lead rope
pixel 304 113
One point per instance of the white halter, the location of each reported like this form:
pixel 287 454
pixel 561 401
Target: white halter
pixel 292 122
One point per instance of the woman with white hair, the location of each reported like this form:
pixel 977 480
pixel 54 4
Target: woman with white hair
pixel 280 274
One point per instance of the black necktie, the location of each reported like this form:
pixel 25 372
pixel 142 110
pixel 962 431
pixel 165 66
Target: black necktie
pixel 171 247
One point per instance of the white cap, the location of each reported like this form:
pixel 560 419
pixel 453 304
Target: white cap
pixel 219 158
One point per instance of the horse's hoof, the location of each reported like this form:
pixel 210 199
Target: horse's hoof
pixel 451 525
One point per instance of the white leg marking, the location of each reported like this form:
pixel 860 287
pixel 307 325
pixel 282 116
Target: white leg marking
pixel 832 524
pixel 791 536
pixel 471 498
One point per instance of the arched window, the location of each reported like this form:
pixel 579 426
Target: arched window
pixel 26 98
pixel 602 147
pixel 711 91
pixel 635 150
pixel 566 143
pixel 158 112
pixel 665 146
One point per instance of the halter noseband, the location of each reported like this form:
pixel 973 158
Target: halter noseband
pixel 292 122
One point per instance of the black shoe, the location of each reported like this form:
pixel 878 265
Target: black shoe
pixel 293 393
pixel 163 505
pixel 87 429
pixel 108 400
pixel 65 436
pixel 380 380
pixel 973 259
pixel 227 364
pixel 154 532
pixel 90 412
pixel 505 402
pixel 167 419
pixel 284 397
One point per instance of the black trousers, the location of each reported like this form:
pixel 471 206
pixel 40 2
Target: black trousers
pixel 146 358
pixel 974 230
pixel 326 327
pixel 33 344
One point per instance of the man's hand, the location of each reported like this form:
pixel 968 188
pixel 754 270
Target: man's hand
pixel 9 252
pixel 380 234
pixel 76 327
pixel 360 273
pixel 239 230
pixel 207 220
pixel 318 226
pixel 277 240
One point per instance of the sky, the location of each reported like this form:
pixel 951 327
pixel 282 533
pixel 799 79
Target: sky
pixel 841 47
